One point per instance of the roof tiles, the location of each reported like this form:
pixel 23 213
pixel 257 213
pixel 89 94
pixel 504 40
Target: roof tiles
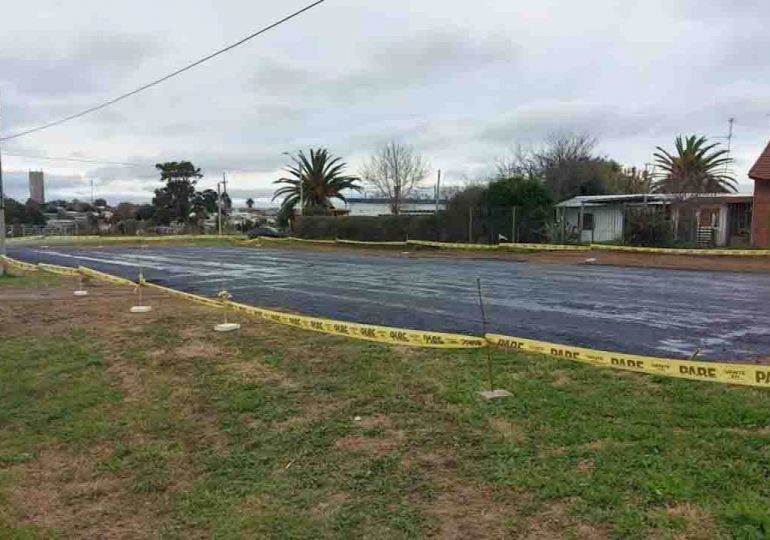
pixel 761 169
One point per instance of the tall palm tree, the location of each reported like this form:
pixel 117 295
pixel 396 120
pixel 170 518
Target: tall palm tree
pixel 696 167
pixel 316 179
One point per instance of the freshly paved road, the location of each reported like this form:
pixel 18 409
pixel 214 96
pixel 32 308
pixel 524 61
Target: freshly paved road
pixel 643 311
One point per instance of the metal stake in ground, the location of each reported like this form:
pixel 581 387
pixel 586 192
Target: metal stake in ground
pixel 492 393
pixel 80 290
pixel 225 297
pixel 140 308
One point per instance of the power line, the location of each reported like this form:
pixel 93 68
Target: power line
pixel 162 79
pixel 80 160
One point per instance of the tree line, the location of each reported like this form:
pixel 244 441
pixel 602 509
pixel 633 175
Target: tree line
pixel 532 178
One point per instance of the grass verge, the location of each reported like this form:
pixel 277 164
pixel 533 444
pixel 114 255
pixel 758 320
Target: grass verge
pixel 114 424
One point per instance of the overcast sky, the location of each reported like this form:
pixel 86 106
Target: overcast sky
pixel 463 82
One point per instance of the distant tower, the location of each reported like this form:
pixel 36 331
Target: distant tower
pixel 37 186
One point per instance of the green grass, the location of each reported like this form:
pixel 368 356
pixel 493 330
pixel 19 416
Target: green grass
pixel 253 435
pixel 29 279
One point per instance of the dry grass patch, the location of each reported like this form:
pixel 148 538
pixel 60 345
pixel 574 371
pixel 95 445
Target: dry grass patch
pixel 374 446
pixel 554 519
pixel 510 431
pixel 468 510
pixel 198 349
pixel 62 490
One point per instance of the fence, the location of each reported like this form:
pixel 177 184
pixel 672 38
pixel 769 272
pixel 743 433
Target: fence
pixel 475 225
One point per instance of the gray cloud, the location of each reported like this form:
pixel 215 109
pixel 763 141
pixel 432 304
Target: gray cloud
pixel 460 82
pixel 93 62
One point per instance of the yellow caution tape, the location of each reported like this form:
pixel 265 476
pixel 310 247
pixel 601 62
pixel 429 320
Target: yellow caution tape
pixel 441 245
pixel 668 367
pixel 684 251
pixel 102 276
pixel 211 302
pixel 544 247
pixel 126 239
pixel 451 245
pixel 363 243
pixel 20 265
pixel 370 332
pixel 313 241
pixel 61 270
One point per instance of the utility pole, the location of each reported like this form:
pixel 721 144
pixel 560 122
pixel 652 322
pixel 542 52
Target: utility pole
pixel 2 205
pixel 219 208
pixel 221 191
pixel 730 136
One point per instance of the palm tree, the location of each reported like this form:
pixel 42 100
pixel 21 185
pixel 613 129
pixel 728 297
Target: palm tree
pixel 697 167
pixel 316 179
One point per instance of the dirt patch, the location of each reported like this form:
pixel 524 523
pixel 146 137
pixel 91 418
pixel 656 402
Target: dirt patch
pixel 560 378
pixel 374 422
pixel 554 519
pixel 468 510
pixel 375 446
pixel 63 491
pixel 198 349
pixel 461 508
pixel 330 504
pixel 510 431
pixel 696 522
pixel 313 410
pixel 585 466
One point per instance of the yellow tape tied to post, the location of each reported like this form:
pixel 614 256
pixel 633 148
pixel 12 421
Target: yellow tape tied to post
pixel 452 245
pixel 60 270
pixel 685 251
pixel 108 278
pixel 19 265
pixel 745 374
pixel 211 302
pixel 365 243
pixel 369 332
pixel 543 247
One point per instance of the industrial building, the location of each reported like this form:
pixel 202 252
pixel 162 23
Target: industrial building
pixel 37 187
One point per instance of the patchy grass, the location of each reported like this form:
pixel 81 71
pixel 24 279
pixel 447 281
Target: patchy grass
pixel 14 279
pixel 114 424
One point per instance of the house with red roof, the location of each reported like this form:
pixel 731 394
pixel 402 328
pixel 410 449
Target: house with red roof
pixel 760 218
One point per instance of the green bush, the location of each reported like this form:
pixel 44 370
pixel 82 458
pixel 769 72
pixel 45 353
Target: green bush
pixel 647 227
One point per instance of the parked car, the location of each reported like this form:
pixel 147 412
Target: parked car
pixel 269 232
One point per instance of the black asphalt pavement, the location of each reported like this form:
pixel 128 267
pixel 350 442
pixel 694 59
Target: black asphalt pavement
pixel 643 311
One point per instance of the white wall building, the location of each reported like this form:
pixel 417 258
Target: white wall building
pixel 380 207
pixel 600 218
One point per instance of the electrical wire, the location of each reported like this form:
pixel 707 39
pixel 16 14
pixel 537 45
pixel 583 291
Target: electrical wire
pixel 79 160
pixel 162 79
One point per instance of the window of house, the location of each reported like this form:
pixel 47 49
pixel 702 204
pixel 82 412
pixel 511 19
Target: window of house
pixel 588 222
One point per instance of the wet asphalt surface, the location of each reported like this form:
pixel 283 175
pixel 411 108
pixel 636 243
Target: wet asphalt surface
pixel 643 311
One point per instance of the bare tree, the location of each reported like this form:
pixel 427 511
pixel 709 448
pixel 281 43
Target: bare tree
pixel 520 161
pixel 567 163
pixel 396 172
